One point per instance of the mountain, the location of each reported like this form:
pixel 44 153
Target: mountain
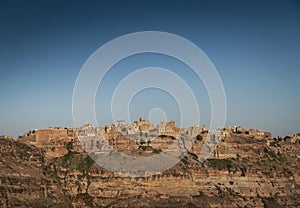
pixel 243 172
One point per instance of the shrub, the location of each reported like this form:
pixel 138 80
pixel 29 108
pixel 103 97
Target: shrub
pixel 220 164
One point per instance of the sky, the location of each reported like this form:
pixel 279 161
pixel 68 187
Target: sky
pixel 254 46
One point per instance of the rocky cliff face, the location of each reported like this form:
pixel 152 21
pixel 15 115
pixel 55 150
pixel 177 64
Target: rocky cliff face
pixel 242 172
pixel 22 181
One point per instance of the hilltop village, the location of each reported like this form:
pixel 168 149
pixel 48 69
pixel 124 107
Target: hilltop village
pixel 143 134
pixel 247 168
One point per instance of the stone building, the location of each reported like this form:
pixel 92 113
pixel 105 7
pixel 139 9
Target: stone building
pixel 50 135
pixel 168 128
pixel 295 138
pixel 120 123
pixel 109 128
pixel 239 129
pixel 162 127
pixel 193 131
pixel 130 130
pixel 6 137
pixel 258 134
pixel 144 125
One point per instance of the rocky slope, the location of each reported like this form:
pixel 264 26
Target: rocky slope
pixel 243 172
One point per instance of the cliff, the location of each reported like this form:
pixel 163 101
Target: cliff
pixel 242 172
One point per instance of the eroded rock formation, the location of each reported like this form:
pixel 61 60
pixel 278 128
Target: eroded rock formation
pixel 242 172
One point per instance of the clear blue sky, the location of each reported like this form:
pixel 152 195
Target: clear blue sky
pixel 255 46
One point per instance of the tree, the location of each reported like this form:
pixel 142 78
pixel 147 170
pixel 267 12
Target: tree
pixel 199 137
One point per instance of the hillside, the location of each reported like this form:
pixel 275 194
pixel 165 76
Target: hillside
pixel 244 172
